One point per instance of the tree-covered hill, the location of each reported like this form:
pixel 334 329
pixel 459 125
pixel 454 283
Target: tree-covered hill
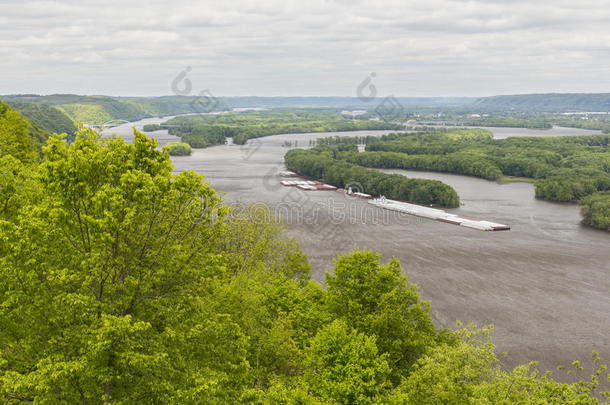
pixel 18 138
pixel 551 102
pixel 41 121
pixel 45 117
pixel 100 109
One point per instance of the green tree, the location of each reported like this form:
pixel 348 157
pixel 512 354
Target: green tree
pixel 344 367
pixel 18 186
pixel 267 291
pixel 15 137
pixel 102 282
pixel 449 374
pixel 377 300
pixel 469 373
pixel 178 148
pixel 595 210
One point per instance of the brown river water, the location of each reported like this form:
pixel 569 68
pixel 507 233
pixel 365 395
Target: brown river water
pixel 545 284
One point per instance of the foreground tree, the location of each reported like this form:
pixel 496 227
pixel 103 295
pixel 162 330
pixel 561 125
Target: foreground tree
pixel 469 373
pixel 101 281
pixel 376 299
pixel 344 366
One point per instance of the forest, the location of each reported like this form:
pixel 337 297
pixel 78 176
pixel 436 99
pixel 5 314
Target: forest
pixel 46 118
pixel 595 210
pixel 205 130
pixel 124 283
pixel 592 121
pixel 522 111
pixel 564 169
pixel 322 163
pixel 100 109
pixel 41 121
pixel 19 138
pixel 554 102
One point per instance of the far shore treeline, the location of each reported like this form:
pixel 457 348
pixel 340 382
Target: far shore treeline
pixel 201 131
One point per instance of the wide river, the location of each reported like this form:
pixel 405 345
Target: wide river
pixel 545 284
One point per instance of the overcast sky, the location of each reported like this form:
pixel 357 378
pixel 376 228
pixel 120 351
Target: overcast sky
pixel 306 47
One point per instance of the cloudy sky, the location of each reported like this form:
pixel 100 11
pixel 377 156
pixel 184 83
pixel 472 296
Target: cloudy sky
pixel 306 47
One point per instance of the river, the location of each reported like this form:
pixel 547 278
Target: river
pixel 544 284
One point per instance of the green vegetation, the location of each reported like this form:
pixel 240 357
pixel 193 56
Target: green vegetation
pixel 564 168
pixel 16 138
pixel 202 136
pixel 595 210
pixel 179 148
pixel 586 121
pixel 555 102
pixel 45 120
pixel 462 163
pixel 100 109
pixel 123 283
pixel 541 120
pixel 504 120
pixel 330 165
pixel 514 179
pixel 151 127
pixel 205 130
pixel 523 111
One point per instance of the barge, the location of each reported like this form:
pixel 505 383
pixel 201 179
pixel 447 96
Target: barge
pixel 288 173
pixel 437 215
pixel 307 185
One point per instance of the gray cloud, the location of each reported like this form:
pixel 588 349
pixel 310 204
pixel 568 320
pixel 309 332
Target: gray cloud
pixel 319 47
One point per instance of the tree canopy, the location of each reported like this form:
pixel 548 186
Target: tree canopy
pixel 15 139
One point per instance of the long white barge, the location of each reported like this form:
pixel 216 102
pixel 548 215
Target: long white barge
pixel 437 215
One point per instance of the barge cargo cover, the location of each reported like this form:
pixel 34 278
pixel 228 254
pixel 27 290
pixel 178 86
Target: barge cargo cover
pixel 438 215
